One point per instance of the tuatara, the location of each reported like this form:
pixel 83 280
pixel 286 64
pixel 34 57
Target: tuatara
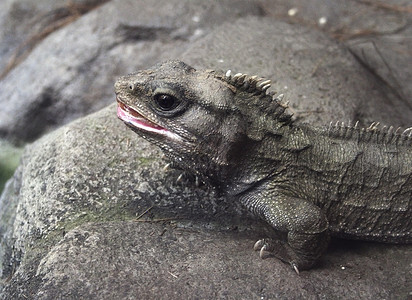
pixel 305 181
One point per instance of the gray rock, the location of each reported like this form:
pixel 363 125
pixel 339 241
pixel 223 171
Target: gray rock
pixel 70 73
pixel 386 57
pixel 72 228
pixel 9 160
pixel 24 22
pixel 377 34
pixel 322 79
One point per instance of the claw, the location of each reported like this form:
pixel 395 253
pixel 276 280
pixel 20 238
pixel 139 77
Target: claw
pixel 266 249
pixel 262 247
pixel 295 267
pixel 179 178
pixel 258 245
pixel 264 253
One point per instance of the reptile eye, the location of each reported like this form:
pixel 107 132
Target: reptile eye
pixel 166 102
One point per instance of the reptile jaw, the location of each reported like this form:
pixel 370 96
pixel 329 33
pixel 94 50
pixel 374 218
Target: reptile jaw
pixel 136 120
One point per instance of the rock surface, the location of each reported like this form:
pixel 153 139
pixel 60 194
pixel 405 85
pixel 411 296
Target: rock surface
pixel 9 160
pixel 322 79
pixel 375 32
pixel 71 72
pixel 90 213
pixel 73 51
pixel 74 227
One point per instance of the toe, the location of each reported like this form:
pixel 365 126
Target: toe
pixel 259 244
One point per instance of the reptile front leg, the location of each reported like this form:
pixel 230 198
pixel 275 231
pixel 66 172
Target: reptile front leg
pixel 305 224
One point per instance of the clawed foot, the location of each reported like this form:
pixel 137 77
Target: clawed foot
pixel 275 248
pixel 263 248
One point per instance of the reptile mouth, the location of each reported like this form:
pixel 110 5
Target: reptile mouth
pixel 136 120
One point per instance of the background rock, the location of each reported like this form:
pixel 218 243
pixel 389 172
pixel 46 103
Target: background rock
pixel 76 50
pixel 25 23
pixel 376 32
pixel 322 80
pixel 71 72
pixel 9 160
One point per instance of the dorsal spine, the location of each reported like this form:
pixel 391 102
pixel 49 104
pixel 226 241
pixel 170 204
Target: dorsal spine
pixel 258 86
pixel 373 133
pixel 277 108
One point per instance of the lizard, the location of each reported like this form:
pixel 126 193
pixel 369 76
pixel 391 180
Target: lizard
pixel 307 182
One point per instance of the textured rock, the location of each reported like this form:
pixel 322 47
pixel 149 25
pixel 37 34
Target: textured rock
pixel 322 79
pixel 385 57
pixel 24 23
pixel 70 73
pixel 71 227
pixel 9 160
pixel 377 33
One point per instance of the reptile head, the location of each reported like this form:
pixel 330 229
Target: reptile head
pixel 196 117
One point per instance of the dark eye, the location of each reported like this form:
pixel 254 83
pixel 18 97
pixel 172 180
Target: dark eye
pixel 166 102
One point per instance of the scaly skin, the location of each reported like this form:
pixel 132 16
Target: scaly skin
pixel 307 182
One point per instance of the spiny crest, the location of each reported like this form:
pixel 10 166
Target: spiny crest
pixel 373 133
pixel 251 84
pixel 273 104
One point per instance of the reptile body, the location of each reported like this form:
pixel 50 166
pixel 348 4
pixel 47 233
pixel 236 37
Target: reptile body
pixel 305 181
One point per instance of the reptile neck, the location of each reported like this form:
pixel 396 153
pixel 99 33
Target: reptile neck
pixel 251 163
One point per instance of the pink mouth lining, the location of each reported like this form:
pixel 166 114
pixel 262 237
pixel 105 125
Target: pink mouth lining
pixel 135 119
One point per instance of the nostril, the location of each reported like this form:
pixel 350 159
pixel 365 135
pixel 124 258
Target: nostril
pixel 131 86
